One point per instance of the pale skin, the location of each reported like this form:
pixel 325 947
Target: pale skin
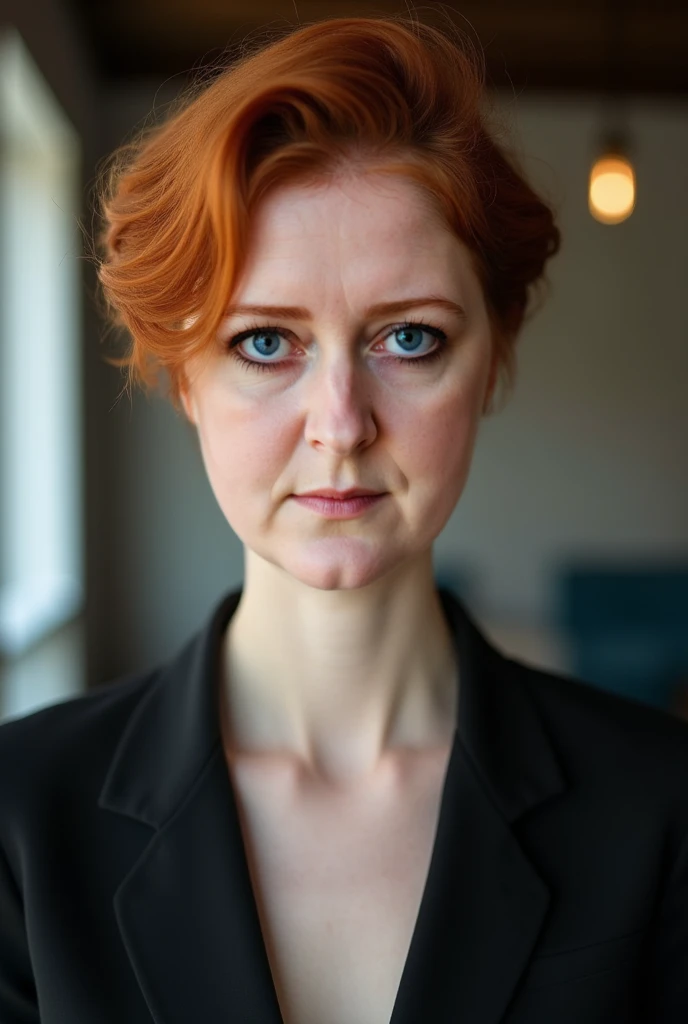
pixel 339 684
pixel 338 660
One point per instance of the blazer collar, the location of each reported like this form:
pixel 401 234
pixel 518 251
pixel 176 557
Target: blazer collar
pixel 186 909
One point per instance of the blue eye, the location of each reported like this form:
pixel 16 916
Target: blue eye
pixel 408 328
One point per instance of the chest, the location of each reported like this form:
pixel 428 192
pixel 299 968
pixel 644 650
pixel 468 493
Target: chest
pixel 338 878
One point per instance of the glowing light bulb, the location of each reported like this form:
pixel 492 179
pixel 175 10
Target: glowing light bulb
pixel 611 190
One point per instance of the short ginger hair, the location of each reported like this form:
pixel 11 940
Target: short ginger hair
pixel 327 100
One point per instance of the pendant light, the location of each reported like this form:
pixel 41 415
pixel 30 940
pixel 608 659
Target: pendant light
pixel 612 180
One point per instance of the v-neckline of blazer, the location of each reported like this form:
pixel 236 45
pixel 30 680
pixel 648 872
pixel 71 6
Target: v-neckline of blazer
pixel 187 911
pixel 430 891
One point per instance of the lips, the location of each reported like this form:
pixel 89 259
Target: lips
pixel 339 508
pixel 328 492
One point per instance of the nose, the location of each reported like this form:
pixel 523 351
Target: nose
pixel 338 411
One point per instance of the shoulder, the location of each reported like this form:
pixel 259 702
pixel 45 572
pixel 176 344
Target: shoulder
pixel 573 703
pixel 68 744
pixel 612 740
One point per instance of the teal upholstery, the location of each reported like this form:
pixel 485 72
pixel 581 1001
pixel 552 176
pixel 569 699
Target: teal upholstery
pixel 627 627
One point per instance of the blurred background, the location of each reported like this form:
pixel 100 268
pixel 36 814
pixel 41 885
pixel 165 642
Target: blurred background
pixel 570 542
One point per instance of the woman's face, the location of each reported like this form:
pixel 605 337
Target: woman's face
pixel 338 396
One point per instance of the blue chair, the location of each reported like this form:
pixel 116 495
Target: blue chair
pixel 627 627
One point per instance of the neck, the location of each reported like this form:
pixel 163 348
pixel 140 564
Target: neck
pixel 339 680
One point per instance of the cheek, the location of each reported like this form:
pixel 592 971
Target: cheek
pixel 242 445
pixel 437 460
pixel 438 468
pixel 436 442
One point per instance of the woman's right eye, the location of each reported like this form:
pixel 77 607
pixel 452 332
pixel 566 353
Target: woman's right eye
pixel 268 346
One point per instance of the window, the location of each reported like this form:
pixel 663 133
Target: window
pixel 41 571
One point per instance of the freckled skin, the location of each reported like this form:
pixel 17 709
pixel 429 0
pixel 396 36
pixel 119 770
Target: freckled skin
pixel 340 411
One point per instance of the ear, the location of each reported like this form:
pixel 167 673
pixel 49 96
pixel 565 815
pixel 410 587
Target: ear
pixel 491 382
pixel 187 401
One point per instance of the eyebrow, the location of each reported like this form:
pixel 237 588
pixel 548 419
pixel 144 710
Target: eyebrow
pixel 376 310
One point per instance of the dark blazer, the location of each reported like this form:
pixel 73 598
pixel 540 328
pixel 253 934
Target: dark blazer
pixel 557 892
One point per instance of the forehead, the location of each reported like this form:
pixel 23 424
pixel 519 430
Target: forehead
pixel 374 229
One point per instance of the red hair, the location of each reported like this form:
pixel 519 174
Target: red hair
pixel 334 98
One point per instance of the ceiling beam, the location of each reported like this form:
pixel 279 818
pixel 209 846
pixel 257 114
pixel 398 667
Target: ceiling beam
pixel 533 45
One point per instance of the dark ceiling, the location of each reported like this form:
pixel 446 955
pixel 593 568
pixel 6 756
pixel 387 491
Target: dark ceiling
pixel 562 45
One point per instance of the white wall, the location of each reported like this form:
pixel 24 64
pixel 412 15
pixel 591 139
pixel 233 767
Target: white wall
pixel 591 454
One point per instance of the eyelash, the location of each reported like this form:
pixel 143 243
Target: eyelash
pixel 436 353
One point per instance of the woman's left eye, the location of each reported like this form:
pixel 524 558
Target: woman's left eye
pixel 410 341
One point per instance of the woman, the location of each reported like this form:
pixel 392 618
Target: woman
pixel 338 803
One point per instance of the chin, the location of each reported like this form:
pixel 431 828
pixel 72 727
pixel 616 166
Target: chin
pixel 349 564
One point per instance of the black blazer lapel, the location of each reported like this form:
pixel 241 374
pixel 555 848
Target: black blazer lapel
pixel 186 909
pixel 188 918
pixel 484 903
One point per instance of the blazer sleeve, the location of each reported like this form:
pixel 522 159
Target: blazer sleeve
pixel 18 1004
pixel 667 995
